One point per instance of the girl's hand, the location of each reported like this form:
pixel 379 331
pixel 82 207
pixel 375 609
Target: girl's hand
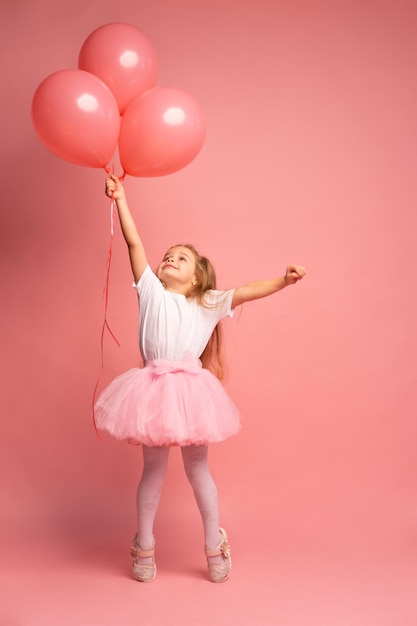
pixel 114 188
pixel 294 273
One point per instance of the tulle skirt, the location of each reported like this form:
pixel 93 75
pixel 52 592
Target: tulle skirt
pixel 167 403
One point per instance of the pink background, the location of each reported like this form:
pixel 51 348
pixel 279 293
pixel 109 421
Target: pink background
pixel 310 158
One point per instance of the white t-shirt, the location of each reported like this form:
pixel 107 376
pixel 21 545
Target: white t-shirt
pixel 173 327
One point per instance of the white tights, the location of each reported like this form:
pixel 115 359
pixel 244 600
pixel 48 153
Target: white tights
pixel 155 462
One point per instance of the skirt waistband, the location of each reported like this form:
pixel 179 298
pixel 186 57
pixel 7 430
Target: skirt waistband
pixel 163 366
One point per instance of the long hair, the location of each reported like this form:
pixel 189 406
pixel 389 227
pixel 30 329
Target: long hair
pixel 212 356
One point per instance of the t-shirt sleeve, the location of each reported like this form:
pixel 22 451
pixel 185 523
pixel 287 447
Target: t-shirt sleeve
pixel 147 282
pixel 221 301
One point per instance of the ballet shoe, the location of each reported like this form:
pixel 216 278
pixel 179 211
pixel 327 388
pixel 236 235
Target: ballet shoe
pixel 219 572
pixel 143 572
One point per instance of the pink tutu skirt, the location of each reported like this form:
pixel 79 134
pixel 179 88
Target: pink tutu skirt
pixel 167 403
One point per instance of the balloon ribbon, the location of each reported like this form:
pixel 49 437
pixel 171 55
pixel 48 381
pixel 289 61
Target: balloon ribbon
pixel 105 325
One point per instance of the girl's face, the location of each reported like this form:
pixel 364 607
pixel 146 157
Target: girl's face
pixel 177 270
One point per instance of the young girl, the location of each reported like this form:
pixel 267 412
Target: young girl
pixel 175 399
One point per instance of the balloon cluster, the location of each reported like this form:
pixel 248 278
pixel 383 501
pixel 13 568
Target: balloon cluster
pixel 111 99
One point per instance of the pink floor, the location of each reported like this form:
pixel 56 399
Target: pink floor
pixel 293 565
pixel 82 585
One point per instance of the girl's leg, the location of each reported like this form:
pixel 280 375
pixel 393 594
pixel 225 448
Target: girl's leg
pixel 155 462
pixel 205 491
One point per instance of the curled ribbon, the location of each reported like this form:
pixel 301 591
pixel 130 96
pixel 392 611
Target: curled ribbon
pixel 105 325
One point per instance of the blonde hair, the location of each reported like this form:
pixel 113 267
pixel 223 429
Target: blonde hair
pixel 212 357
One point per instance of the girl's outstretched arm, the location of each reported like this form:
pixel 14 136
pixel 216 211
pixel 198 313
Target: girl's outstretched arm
pixel 263 288
pixel 138 261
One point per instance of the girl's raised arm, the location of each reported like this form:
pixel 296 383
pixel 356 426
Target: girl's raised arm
pixel 138 261
pixel 263 288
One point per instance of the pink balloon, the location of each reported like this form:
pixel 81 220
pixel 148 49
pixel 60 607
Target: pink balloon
pixel 123 58
pixel 76 116
pixel 161 132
